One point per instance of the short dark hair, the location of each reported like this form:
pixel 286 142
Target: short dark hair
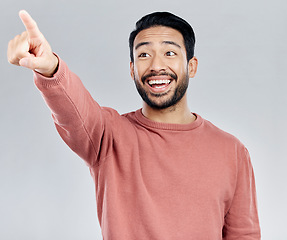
pixel 168 20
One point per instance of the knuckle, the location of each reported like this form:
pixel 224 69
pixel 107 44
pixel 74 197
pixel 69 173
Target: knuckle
pixel 13 60
pixel 10 43
pixel 23 35
pixel 15 49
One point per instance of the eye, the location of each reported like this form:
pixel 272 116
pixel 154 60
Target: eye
pixel 170 53
pixel 143 55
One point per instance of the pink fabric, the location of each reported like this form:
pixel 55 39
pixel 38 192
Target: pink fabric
pixel 153 180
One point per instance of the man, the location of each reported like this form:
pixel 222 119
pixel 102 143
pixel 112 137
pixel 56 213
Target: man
pixel 160 172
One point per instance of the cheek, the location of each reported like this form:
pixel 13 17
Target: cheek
pixel 135 72
pixel 178 68
pixel 183 67
pixel 140 69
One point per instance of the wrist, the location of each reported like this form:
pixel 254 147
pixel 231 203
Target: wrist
pixel 53 69
pixel 55 66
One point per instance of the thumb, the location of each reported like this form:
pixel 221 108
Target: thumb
pixel 28 62
pixel 34 63
pixel 40 64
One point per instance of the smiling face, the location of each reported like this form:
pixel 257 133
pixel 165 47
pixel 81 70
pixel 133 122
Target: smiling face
pixel 160 68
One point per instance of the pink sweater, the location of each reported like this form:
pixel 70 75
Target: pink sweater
pixel 156 181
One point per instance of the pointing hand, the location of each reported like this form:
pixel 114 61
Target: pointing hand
pixel 31 49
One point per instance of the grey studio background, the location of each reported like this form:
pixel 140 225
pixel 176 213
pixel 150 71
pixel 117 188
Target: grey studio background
pixel 46 191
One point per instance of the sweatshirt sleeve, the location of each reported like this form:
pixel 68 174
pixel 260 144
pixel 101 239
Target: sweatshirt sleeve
pixel 241 221
pixel 77 116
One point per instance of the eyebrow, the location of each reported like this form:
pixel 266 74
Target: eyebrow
pixel 172 43
pixel 141 44
pixel 164 42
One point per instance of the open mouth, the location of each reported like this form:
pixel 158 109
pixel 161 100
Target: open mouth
pixel 159 84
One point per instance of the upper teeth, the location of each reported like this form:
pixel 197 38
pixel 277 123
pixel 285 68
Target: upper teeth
pixel 151 82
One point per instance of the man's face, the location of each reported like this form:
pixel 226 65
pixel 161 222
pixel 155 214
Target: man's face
pixel 160 69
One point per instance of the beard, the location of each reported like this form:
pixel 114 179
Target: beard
pixel 177 95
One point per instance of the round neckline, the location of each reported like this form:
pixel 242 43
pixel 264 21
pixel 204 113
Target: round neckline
pixel 168 126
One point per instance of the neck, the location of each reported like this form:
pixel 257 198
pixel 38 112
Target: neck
pixel 179 113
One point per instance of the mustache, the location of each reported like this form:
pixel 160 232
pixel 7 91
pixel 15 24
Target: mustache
pixel 158 74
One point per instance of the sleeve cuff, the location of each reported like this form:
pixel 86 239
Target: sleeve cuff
pixel 46 82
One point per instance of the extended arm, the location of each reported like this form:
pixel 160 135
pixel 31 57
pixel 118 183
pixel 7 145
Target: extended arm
pixel 78 118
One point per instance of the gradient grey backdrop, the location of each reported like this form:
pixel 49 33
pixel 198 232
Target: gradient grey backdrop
pixel 46 190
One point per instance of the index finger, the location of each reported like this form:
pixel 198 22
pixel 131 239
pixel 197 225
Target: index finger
pixel 30 24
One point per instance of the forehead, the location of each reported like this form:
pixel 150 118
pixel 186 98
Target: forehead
pixel 159 34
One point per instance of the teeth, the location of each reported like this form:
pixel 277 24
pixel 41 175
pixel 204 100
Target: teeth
pixel 151 82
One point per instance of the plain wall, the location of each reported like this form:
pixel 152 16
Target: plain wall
pixel 46 191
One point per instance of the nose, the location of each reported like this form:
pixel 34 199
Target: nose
pixel 157 64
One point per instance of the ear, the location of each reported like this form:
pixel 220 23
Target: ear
pixel 132 70
pixel 192 67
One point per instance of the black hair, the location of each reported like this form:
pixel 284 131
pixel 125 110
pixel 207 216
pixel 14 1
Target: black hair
pixel 168 20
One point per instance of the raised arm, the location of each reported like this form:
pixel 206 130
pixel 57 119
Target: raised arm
pixel 31 50
pixel 80 121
